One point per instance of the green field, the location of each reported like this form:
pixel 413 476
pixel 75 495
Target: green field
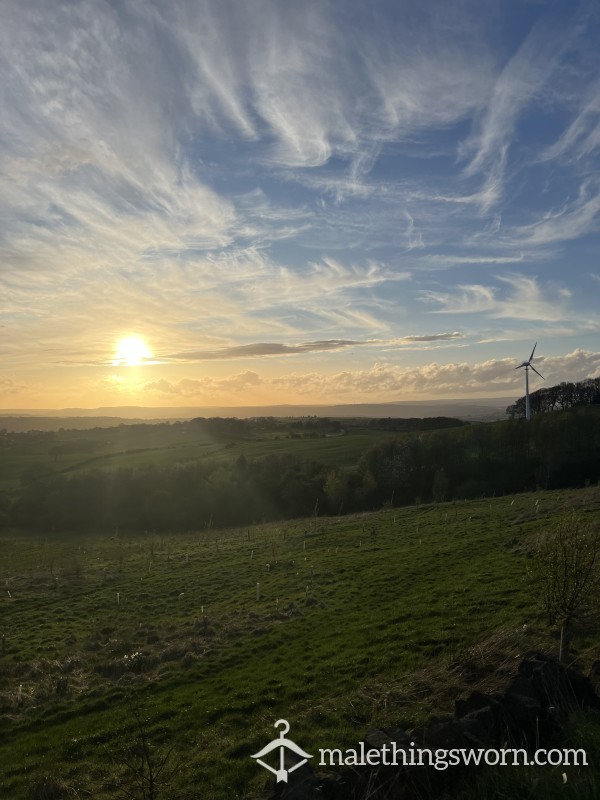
pixel 366 620
pixel 69 451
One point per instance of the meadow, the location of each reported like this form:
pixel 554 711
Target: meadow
pixel 337 624
pixel 130 446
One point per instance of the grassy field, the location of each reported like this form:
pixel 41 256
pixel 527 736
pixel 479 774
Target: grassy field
pixel 166 445
pixel 368 620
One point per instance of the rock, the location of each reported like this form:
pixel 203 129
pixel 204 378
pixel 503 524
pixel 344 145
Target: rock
pixel 525 720
pixel 556 685
pixel 584 689
pixel 446 733
pixel 474 702
pixel 481 728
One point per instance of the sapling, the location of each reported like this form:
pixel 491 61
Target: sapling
pixel 566 572
pixel 146 771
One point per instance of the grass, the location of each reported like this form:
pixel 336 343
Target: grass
pixel 370 620
pixel 166 445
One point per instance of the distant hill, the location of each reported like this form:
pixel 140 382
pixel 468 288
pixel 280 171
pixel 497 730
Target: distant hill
pixel 52 422
pixel 480 409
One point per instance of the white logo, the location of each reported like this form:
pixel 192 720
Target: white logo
pixel 282 743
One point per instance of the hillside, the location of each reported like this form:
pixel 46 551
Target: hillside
pixel 69 451
pixel 222 472
pixel 365 620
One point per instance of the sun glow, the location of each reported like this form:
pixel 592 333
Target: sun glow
pixel 131 352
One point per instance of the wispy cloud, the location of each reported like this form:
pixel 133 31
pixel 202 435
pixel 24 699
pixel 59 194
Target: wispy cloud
pixel 440 261
pixel 521 82
pixel 233 180
pixel 261 349
pixel 575 219
pixel 521 79
pixel 582 137
pixel 434 337
pixel 264 349
pixel 10 387
pixel 524 300
pixel 413 236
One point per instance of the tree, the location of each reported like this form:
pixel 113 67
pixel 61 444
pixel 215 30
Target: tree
pixel 567 571
pixel 147 772
pixel 336 490
pixel 439 489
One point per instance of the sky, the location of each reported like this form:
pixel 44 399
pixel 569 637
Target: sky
pixel 254 202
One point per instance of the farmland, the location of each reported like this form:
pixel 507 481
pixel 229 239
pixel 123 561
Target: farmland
pixel 129 446
pixel 361 621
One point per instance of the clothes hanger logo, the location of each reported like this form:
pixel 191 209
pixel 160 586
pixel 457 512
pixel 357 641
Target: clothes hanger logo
pixel 282 744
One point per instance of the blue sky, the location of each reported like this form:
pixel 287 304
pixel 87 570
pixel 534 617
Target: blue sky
pixel 296 202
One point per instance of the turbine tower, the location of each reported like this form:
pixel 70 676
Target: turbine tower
pixel 528 365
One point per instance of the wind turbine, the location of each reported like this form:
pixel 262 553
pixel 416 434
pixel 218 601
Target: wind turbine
pixel 528 365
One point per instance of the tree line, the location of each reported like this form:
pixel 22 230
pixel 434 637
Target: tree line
pixel 558 398
pixel 552 451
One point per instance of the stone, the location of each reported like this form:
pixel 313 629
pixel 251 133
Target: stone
pixel 446 733
pixel 474 702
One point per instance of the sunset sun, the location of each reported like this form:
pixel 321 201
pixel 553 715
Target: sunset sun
pixel 131 352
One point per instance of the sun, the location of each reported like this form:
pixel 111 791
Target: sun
pixel 131 352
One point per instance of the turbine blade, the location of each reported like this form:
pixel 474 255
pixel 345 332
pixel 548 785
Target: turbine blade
pixel 520 365
pixel 536 372
pixel 533 351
